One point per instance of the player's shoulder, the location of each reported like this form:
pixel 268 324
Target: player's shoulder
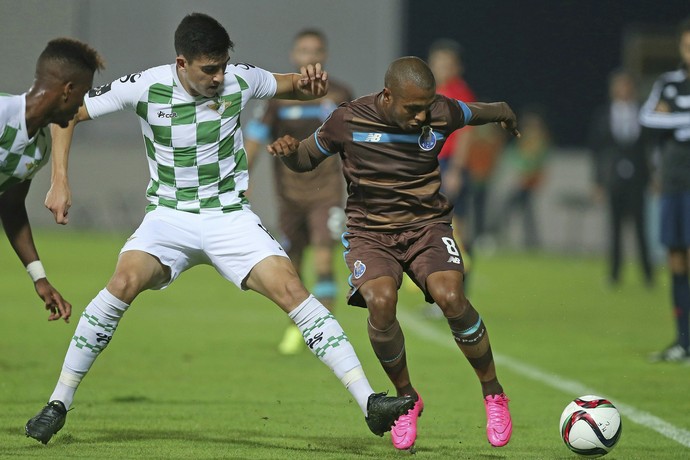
pixel 363 108
pixel 159 74
pixel 444 102
pixel 10 107
pixel 363 102
pixel 242 75
pixel 243 68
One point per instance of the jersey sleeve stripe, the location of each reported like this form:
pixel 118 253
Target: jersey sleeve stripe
pixel 321 149
pixel 465 110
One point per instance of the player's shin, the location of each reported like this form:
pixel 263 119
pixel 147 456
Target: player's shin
pixel 473 340
pixel 94 331
pixel 389 347
pixel 327 340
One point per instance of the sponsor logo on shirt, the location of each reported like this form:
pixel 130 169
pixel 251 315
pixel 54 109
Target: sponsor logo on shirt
pixel 454 260
pixel 162 114
pixel 131 78
pixel 97 91
pixel 373 137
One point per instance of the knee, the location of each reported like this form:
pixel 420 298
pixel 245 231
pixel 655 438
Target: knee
pixel 125 286
pixel 452 302
pixel 381 304
pixel 294 291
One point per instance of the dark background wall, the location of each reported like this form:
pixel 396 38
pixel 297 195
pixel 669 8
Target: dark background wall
pixel 555 53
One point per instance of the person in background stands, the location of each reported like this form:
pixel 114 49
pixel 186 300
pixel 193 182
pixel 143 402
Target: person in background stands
pixel 668 112
pixel 621 169
pixel 310 206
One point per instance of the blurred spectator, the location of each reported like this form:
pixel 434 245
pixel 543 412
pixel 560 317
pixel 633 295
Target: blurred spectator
pixel 309 204
pixel 484 145
pixel 445 61
pixel 526 156
pixel 668 112
pixel 621 169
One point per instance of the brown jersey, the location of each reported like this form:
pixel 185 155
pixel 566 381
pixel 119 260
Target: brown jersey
pixel 300 119
pixel 392 176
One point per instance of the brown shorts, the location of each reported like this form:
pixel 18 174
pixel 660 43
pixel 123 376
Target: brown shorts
pixel 303 225
pixel 419 253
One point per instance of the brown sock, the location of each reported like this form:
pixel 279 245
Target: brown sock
pixel 389 347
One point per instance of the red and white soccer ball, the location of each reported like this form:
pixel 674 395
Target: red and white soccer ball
pixel 590 426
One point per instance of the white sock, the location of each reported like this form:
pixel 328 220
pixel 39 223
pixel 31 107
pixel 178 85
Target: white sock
pixel 94 331
pixel 327 340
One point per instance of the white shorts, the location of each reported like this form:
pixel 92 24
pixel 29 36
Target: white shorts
pixel 233 243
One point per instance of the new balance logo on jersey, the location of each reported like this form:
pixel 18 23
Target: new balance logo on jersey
pixel 373 137
pixel 455 260
pixel 162 114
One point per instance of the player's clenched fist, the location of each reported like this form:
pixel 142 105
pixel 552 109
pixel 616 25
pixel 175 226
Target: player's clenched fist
pixel 283 146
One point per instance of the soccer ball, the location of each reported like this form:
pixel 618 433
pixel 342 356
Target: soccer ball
pixel 590 426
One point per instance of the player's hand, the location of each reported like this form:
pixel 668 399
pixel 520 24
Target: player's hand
pixel 58 201
pixel 510 122
pixel 283 146
pixel 58 307
pixel 314 81
pixel 511 128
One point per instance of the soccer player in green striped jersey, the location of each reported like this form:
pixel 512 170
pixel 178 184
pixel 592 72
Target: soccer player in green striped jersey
pixel 64 73
pixel 198 213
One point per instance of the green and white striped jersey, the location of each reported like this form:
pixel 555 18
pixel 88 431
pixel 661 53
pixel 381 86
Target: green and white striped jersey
pixel 193 145
pixel 20 157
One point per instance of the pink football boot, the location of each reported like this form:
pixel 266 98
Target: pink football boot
pixel 499 426
pixel 404 431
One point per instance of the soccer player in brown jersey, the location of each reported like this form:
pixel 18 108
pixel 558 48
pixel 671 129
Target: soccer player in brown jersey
pixel 310 205
pixel 398 221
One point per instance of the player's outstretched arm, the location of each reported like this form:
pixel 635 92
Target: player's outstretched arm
pixel 310 83
pixel 493 112
pixel 18 230
pixel 59 197
pixel 298 156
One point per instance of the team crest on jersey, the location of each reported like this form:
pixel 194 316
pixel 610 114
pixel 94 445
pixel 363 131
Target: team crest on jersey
pixel 360 268
pixel 427 140
pixel 220 106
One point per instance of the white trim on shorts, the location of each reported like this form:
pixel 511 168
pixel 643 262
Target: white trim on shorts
pixel 233 243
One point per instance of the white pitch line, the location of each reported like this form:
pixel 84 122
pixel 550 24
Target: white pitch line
pixel 640 417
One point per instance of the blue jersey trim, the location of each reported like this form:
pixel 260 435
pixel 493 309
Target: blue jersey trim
pixel 257 131
pixel 374 137
pixel 300 112
pixel 323 150
pixel 465 110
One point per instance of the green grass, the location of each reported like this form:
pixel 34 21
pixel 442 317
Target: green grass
pixel 192 371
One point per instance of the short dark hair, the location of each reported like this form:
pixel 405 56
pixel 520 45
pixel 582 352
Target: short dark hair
pixel 201 35
pixel 312 33
pixel 71 55
pixel 409 69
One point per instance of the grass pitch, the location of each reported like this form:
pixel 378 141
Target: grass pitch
pixel 193 372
